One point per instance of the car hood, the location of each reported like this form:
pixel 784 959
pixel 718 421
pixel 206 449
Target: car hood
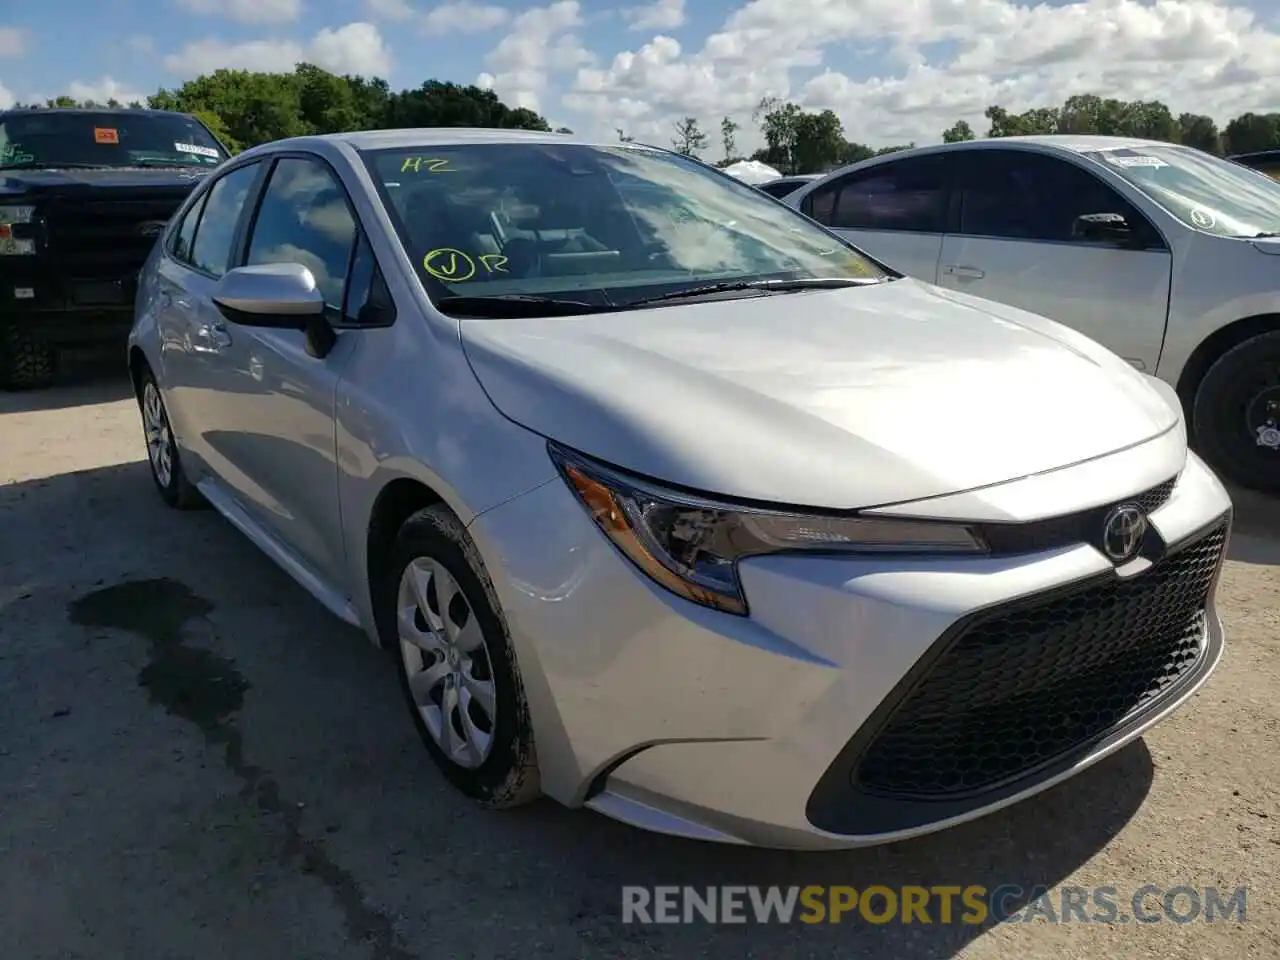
pixel 838 398
pixel 40 181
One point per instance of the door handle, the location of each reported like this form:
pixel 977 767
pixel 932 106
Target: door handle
pixel 219 336
pixel 215 335
pixel 965 273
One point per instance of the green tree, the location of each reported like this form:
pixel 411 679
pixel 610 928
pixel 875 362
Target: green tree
pixel 689 139
pixel 1252 131
pixel 819 142
pixel 729 139
pixel 1200 132
pixel 957 132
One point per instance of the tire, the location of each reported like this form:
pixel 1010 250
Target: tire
pixel 1229 414
pixel 432 556
pixel 27 362
pixel 171 481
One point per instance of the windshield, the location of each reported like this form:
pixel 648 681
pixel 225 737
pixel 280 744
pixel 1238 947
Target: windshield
pixel 54 138
pixel 1203 191
pixel 609 225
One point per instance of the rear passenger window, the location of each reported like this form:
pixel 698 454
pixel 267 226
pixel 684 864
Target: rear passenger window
pixel 211 249
pixel 908 194
pixel 181 246
pixel 304 218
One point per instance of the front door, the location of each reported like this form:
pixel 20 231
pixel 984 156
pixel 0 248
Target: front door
pixel 276 413
pixel 1017 242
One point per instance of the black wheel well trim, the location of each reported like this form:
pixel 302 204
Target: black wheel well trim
pixel 137 364
pixel 833 788
pixel 1214 346
pixel 396 502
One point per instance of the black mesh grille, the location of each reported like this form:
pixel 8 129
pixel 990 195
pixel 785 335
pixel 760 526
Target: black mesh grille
pixel 1020 687
pixel 97 235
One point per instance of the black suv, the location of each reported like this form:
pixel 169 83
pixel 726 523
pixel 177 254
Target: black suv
pixel 83 196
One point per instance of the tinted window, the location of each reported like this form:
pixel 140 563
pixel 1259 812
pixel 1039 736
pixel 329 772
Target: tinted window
pixel 780 188
pixel 211 250
pixel 126 138
pixel 608 224
pixel 186 232
pixel 1020 195
pixel 908 194
pixel 304 218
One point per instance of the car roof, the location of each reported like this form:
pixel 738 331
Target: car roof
pixel 1272 154
pixel 91 111
pixel 439 136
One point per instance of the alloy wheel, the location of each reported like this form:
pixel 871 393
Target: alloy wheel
pixel 155 423
pixel 446 662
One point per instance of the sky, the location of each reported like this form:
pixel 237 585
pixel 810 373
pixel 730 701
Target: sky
pixel 895 71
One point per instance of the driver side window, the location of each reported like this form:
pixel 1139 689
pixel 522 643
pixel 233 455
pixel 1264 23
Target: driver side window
pixel 304 218
pixel 1020 195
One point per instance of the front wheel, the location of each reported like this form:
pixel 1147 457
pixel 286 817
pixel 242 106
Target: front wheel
pixel 1236 414
pixel 457 668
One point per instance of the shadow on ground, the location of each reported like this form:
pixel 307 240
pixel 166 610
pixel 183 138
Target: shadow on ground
pixel 83 381
pixel 202 762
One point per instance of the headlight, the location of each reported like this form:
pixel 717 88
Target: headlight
pixel 9 244
pixel 692 546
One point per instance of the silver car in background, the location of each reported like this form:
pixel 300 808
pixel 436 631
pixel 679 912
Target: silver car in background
pixel 668 502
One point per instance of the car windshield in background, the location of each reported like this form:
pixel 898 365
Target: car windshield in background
pixel 1204 191
pixel 605 225
pixel 136 138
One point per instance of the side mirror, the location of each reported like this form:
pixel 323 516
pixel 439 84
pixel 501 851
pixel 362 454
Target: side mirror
pixel 1104 228
pixel 278 295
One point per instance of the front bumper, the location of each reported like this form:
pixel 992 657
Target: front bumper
pixel 761 730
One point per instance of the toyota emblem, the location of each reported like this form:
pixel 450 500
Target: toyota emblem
pixel 1123 532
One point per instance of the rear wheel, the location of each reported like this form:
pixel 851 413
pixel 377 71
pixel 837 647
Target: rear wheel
pixel 1236 414
pixel 162 450
pixel 27 361
pixel 457 669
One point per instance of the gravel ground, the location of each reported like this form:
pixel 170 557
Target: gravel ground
pixel 197 761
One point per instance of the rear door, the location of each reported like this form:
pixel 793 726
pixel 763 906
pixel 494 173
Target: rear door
pixel 1016 243
pixel 192 330
pixel 895 210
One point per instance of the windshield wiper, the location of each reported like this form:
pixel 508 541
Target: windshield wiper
pixel 1263 236
pixel 162 162
pixel 517 305
pixel 767 286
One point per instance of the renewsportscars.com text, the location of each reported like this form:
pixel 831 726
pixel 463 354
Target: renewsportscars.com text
pixel 971 905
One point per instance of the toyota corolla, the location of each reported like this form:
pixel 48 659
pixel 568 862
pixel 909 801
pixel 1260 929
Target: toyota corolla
pixel 667 501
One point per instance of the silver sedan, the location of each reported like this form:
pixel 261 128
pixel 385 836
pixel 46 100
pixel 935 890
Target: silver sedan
pixel 666 500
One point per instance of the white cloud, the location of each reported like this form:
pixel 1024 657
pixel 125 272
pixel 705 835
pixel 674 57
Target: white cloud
pixel 247 11
pixel 13 41
pixel 541 40
pixel 104 89
pixel 658 15
pixel 356 48
pixel 463 16
pixel 937 61
pixel 396 10
pixel 7 99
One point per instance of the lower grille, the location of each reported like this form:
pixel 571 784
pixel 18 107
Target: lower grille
pixel 1021 686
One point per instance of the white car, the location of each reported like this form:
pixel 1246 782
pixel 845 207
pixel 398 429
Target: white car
pixel 665 500
pixel 1166 255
